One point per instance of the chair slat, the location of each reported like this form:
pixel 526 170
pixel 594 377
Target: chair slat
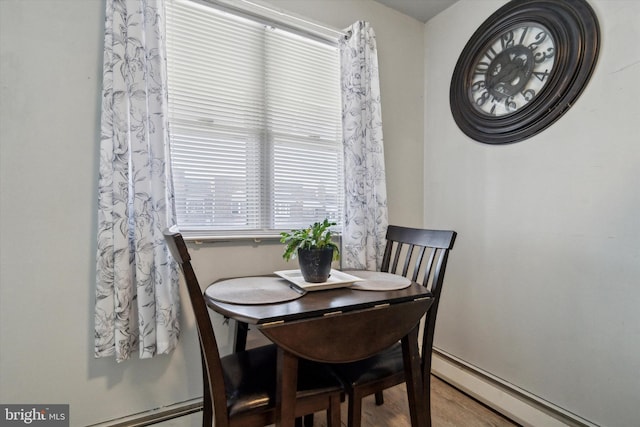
pixel 396 259
pixel 418 264
pixel 428 266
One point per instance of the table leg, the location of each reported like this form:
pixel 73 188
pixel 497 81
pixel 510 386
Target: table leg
pixel 287 385
pixel 420 414
pixel 241 336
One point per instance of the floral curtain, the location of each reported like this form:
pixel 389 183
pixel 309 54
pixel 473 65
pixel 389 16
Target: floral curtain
pixel 137 282
pixel 366 218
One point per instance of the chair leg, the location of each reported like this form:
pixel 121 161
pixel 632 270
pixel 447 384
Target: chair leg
pixel 354 414
pixel 379 398
pixel 207 405
pixel 426 388
pixel 207 410
pixel 427 398
pixel 308 420
pixel 333 413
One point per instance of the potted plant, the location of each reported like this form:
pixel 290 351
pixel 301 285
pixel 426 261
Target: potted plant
pixel 314 248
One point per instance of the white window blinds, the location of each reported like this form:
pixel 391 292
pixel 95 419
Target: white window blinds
pixel 255 124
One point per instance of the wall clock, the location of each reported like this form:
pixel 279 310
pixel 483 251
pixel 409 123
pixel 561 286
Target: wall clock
pixel 523 68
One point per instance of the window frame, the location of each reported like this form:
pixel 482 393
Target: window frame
pixel 300 27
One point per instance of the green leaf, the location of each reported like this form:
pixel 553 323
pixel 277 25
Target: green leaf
pixel 318 235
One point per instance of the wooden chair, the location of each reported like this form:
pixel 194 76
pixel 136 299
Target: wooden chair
pixel 424 255
pixel 239 389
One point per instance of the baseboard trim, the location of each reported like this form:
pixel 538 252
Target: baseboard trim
pixel 155 416
pixel 511 401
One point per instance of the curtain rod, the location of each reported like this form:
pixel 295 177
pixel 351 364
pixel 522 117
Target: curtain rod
pixel 267 15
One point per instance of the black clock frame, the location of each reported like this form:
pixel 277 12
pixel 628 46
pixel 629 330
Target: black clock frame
pixel 574 27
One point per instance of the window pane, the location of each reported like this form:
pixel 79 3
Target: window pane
pixel 254 121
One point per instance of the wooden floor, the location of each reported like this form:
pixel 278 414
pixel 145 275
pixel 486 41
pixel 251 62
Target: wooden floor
pixel 449 408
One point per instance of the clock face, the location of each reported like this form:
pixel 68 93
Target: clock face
pixel 512 69
pixel 523 68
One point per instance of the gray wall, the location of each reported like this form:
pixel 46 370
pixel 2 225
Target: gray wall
pixel 543 286
pixel 50 81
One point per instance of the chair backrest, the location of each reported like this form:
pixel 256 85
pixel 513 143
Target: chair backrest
pixel 420 255
pixel 209 347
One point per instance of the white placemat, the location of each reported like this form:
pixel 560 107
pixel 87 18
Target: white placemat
pixel 377 281
pixel 253 290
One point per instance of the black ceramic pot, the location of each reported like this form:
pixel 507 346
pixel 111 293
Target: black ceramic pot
pixel 315 264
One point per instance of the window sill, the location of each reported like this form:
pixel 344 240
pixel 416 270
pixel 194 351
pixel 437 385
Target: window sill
pixel 198 238
pixel 203 237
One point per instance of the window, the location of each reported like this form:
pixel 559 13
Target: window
pixel 255 124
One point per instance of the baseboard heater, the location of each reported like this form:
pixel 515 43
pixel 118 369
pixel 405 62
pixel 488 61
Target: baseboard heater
pixel 155 416
pixel 513 402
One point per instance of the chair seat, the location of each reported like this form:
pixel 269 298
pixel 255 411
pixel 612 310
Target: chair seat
pixel 381 366
pixel 250 379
